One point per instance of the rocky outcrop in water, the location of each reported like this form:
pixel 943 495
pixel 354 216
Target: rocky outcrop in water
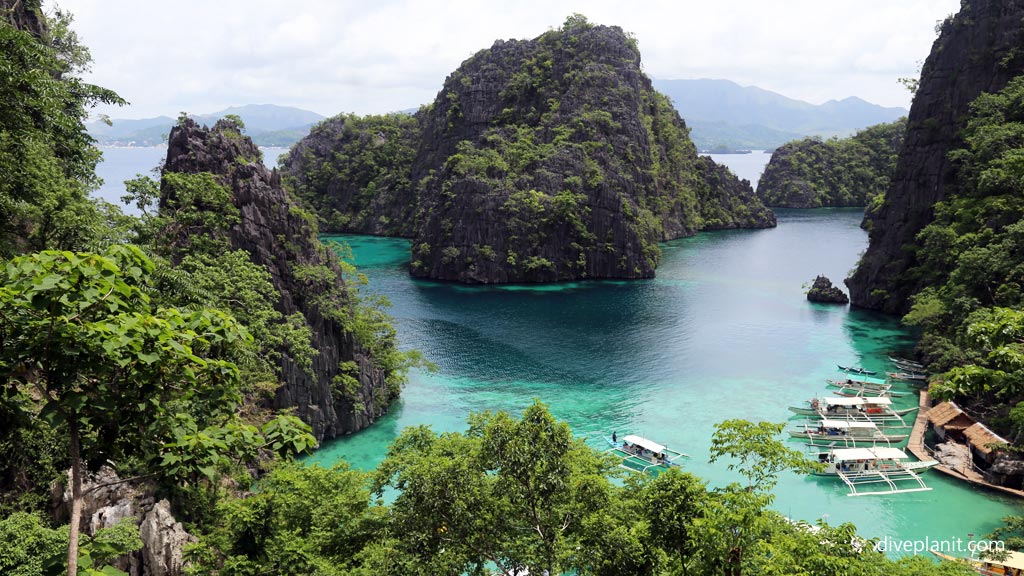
pixel 816 173
pixel 979 50
pixel 823 291
pixel 540 160
pixel 279 236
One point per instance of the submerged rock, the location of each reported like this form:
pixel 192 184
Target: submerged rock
pixel 823 291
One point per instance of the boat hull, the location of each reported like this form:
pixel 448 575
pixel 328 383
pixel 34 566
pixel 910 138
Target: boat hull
pixel 846 439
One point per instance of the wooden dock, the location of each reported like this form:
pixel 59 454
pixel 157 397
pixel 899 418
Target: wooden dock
pixel 920 451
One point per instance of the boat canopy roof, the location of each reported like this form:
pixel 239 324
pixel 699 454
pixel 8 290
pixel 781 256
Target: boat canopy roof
pixel 847 424
pixel 856 401
pixel 876 453
pixel 643 443
pixel 862 378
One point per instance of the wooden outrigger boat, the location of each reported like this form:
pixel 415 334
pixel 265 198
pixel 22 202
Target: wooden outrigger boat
pixel 1012 565
pixel 845 433
pixel 914 376
pixel 862 408
pixel 862 469
pixel 854 388
pixel 904 364
pixel 855 370
pixel 641 455
pixel 859 382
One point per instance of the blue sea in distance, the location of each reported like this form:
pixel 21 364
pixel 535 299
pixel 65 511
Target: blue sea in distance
pixel 124 163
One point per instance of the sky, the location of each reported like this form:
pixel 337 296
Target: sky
pixel 334 56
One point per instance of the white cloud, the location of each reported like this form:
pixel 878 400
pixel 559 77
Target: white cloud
pixel 373 57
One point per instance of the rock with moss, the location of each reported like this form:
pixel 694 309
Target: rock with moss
pixel 540 160
pixel 823 291
pixel 255 214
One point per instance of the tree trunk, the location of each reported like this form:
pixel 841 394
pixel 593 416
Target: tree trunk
pixel 76 499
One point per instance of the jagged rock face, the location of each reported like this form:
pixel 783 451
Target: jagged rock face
pixel 554 159
pixel 823 291
pixel 163 542
pixel 279 237
pixel 108 501
pixel 977 51
pixel 550 159
pixel 24 15
pixel 728 202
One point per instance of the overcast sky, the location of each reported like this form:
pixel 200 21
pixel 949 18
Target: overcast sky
pixel 367 57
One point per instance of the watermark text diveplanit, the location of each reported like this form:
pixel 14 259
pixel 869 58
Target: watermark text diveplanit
pixel 954 546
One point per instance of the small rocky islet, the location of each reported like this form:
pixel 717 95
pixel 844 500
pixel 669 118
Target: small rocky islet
pixel 823 291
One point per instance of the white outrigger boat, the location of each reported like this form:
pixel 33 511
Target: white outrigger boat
pixel 862 408
pixel 640 454
pixel 845 433
pixel 861 468
pixel 865 385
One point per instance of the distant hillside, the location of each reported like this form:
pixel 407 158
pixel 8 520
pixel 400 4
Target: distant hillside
pixel 267 124
pixel 723 113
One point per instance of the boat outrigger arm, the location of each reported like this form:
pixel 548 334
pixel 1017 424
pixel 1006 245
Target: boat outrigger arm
pixel 638 455
pixel 887 471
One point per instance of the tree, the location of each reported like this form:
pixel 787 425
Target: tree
pixel 77 334
pixel 303 520
pixel 735 519
pixel 671 503
pixel 47 160
pixel 513 492
pixel 761 455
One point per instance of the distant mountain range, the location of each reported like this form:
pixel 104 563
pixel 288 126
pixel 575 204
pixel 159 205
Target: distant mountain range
pixel 722 114
pixel 267 124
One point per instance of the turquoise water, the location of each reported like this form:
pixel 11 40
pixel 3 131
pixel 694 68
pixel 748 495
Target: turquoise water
pixel 724 331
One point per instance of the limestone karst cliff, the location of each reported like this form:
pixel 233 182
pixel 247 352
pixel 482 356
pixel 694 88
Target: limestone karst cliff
pixel 280 237
pixel 540 160
pixel 978 50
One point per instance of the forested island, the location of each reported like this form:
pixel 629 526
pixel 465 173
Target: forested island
pixel 838 172
pixel 540 160
pixel 160 374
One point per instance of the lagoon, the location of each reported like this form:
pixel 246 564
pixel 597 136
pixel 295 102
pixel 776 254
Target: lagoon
pixel 723 331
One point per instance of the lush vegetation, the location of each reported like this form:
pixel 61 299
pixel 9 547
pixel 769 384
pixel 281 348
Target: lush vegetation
pixel 513 494
pixel 970 258
pixel 47 161
pixel 854 171
pixel 146 345
pixel 362 181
